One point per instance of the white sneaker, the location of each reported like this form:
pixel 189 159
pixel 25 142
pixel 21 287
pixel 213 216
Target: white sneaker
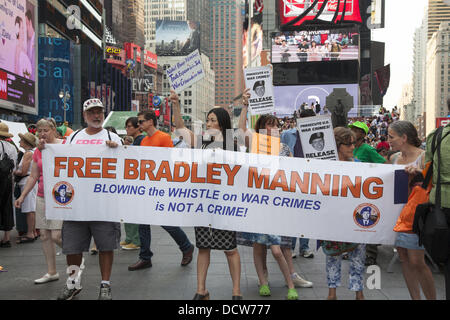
pixel 47 278
pixel 307 254
pixel 300 282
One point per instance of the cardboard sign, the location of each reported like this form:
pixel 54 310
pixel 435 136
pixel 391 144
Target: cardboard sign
pixel 263 144
pixel 317 138
pixel 185 73
pixel 259 80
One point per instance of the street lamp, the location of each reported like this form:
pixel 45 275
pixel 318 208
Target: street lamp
pixel 64 96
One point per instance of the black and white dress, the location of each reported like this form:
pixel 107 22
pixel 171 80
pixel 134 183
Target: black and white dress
pixel 210 238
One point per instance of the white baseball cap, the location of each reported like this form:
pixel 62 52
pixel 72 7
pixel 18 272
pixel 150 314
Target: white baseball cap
pixel 92 103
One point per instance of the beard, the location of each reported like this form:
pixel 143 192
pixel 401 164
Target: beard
pixel 95 124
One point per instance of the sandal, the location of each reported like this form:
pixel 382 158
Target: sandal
pixel 292 294
pixel 201 296
pixel 264 290
pixel 24 240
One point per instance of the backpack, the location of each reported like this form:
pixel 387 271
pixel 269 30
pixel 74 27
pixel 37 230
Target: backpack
pixel 430 221
pixel 6 163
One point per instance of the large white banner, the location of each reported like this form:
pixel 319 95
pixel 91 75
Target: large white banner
pixel 318 199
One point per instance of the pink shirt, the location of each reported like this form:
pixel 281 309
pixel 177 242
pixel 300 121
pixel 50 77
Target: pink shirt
pixel 37 157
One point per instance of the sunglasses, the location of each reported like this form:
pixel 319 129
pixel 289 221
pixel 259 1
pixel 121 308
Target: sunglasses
pixel 141 121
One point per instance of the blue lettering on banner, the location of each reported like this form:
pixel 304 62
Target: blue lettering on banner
pixel 119 189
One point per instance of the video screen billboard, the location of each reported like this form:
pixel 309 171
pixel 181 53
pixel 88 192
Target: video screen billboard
pixel 317 45
pixel 18 55
pixel 289 98
pixel 294 13
pixel 177 38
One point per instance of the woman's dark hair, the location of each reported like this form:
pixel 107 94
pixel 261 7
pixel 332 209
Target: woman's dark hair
pixel 264 120
pixel 149 115
pixel 408 129
pixel 223 118
pixel 133 121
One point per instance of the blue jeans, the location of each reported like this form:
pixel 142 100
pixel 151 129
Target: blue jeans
pixel 304 244
pixel 145 236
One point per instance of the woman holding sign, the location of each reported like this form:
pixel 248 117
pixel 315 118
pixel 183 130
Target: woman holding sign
pixel 345 142
pixel 403 137
pixel 268 126
pixel 218 122
pixel 50 229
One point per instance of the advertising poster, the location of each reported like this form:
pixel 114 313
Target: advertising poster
pixel 294 13
pixel 317 138
pixel 55 74
pixel 224 190
pixel 185 73
pixel 259 81
pixel 18 21
pixel 290 98
pixel 177 38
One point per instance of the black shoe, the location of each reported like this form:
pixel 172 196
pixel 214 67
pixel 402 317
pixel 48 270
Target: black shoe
pixel 187 256
pixel 141 264
pixel 6 244
pixel 370 261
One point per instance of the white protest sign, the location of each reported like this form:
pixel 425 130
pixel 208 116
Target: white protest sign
pixel 259 81
pixel 185 73
pixel 318 199
pixel 317 138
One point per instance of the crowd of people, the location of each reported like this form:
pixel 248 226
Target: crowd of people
pixel 379 139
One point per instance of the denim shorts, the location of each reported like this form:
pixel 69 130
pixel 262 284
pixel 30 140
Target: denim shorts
pixel 408 241
pixel 76 236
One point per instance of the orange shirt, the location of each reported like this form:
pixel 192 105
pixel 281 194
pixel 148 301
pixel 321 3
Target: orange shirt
pixel 158 139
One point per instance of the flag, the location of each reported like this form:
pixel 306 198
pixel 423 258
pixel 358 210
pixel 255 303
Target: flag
pixel 383 76
pixel 258 6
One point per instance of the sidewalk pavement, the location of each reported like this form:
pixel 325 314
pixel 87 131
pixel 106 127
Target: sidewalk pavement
pixel 167 280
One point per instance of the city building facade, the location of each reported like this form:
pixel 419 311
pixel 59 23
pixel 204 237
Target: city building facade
pixel 437 76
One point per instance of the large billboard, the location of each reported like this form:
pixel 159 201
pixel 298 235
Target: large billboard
pixel 317 45
pixel 18 55
pixel 177 38
pixel 289 98
pixel 55 74
pixel 294 13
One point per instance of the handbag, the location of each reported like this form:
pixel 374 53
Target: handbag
pixel 336 248
pixel 430 221
pixel 419 195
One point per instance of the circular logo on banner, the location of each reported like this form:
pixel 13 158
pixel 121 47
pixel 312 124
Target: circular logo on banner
pixel 63 193
pixel 366 215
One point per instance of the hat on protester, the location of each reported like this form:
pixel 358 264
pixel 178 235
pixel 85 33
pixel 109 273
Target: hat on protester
pixel 29 138
pixel 258 84
pixel 359 125
pixel 92 103
pixel 4 131
pixel 317 135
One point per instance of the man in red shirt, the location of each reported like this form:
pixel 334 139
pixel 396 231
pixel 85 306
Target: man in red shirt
pixel 147 123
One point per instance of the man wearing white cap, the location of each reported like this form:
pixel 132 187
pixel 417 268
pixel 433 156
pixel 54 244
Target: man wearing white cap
pixel 76 235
